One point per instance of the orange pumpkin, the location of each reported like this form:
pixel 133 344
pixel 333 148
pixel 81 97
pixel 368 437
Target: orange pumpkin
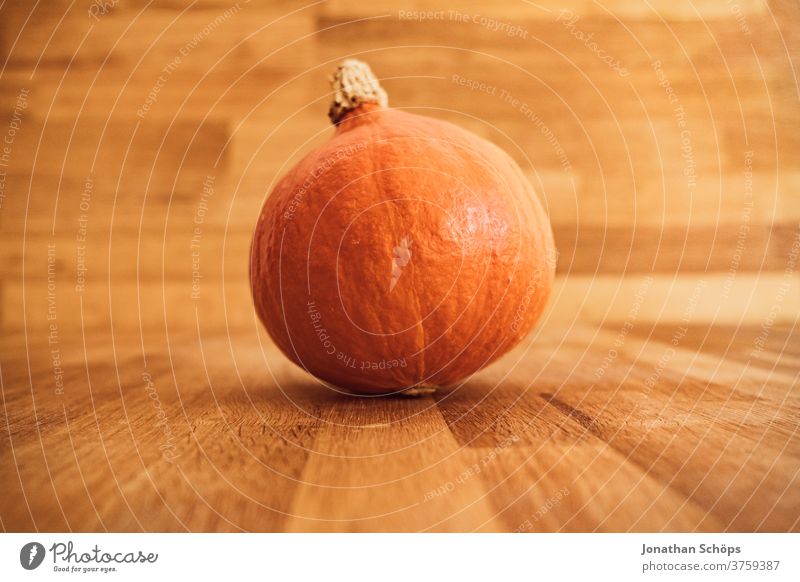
pixel 405 253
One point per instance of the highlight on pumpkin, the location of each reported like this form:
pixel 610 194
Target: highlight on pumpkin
pixel 404 254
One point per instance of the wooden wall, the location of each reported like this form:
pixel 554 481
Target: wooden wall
pixel 663 138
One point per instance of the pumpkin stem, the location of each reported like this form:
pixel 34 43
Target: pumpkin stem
pixel 354 84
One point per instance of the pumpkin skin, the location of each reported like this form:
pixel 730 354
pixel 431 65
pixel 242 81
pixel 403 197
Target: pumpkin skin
pixel 404 253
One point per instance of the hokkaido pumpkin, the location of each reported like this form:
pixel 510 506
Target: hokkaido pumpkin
pixel 403 254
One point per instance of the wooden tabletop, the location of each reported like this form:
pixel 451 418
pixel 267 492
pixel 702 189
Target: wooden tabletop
pixel 139 139
pixel 218 433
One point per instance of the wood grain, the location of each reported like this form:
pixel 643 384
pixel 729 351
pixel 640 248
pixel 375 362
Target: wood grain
pixel 232 438
pixel 659 393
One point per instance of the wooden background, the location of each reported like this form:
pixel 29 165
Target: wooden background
pixel 659 393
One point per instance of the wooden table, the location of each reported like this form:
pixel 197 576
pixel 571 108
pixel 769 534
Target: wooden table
pixel 660 391
pixel 217 433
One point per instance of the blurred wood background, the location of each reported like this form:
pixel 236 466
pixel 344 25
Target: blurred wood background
pixel 139 140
